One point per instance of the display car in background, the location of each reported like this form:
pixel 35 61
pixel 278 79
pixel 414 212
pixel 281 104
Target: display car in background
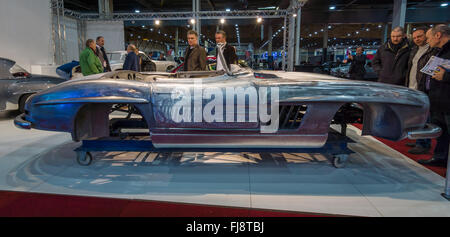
pixel 16 85
pixel 210 62
pixel 343 71
pixel 308 103
pixel 117 58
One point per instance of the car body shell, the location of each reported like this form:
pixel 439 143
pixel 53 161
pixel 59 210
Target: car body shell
pixel 16 84
pixel 81 107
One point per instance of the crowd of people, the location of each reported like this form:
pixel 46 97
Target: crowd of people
pixel 94 60
pixel 398 62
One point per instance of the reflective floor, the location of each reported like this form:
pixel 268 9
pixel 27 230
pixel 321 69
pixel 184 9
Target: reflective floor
pixel 377 181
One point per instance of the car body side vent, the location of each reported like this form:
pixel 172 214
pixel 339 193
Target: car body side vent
pixel 291 116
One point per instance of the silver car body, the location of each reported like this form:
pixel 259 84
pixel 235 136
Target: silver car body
pixel 82 106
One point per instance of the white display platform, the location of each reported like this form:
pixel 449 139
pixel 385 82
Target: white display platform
pixel 377 181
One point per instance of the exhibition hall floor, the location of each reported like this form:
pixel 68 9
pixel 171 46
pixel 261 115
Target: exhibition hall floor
pixel 377 180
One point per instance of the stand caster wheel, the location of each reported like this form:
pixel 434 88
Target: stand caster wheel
pixel 340 160
pixel 84 158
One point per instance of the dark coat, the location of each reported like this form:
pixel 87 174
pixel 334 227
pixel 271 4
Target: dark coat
pixel 422 77
pixel 229 53
pixel 131 62
pixel 358 65
pixel 196 60
pixel 104 57
pixel 392 68
pixel 440 90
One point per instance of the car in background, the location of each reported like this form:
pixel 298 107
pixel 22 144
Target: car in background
pixel 210 63
pixel 117 58
pixel 342 71
pixel 16 85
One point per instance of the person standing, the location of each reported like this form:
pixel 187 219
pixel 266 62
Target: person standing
pixel 419 52
pixel 89 61
pixel 102 53
pixel 391 59
pixel 132 60
pixel 439 94
pixel 228 51
pixel 357 67
pixel 195 56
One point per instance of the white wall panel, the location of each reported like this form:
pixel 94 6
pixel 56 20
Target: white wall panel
pixel 112 31
pixel 25 32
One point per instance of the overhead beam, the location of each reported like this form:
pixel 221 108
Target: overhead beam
pixel 147 4
pixel 212 5
pixel 79 4
pixel 364 16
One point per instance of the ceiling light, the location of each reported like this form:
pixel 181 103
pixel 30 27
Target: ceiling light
pixel 228 9
pixel 157 22
pixel 295 15
pixel 332 7
pixel 137 11
pixel 192 21
pixel 444 4
pixel 222 20
pixel 259 19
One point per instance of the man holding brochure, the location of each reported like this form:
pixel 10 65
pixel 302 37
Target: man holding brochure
pixel 438 86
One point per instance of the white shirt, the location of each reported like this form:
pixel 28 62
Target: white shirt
pixel 220 64
pixel 413 73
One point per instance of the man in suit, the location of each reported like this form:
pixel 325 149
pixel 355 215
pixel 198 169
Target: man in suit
pixel 195 55
pixel 228 51
pixel 102 53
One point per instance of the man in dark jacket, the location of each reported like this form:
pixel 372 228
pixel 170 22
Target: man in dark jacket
pixel 391 59
pixel 102 53
pixel 439 94
pixel 195 56
pixel 228 51
pixel 132 60
pixel 357 67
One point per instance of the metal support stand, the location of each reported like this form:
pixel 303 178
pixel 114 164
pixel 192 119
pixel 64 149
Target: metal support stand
pixel 336 146
pixel 446 193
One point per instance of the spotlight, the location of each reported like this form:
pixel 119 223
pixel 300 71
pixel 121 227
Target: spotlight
pixel 332 7
pixel 157 22
pixel 222 21
pixel 137 11
pixel 444 4
pixel 192 21
pixel 259 19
